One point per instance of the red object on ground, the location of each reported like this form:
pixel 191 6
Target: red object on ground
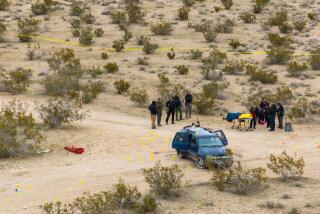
pixel 74 149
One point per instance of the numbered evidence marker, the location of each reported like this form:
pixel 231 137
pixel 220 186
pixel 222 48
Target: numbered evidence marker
pixel 151 156
pixel 81 181
pixel 174 157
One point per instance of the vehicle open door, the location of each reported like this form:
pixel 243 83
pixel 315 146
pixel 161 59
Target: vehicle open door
pixel 222 136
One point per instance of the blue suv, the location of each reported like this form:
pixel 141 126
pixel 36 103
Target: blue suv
pixel 205 146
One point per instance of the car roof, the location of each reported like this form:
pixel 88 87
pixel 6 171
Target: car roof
pixel 200 131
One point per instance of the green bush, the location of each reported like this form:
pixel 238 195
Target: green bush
pixel 279 18
pixel 86 36
pixel 217 9
pixel 4 5
pixel 139 96
pixel 98 32
pixel 60 85
pixel 127 35
pixel 300 109
pixel 182 69
pixel 295 69
pixel 143 60
pixel 39 8
pixel 142 39
pixel 284 94
pixel 285 166
pixel 75 27
pixel 18 132
pixel 196 54
pixel 3 30
pixel 260 4
pixel 162 28
pixel 120 18
pixel 183 13
pixel 227 4
pixel 188 3
pixel 125 196
pixel 239 180
pixel 150 48
pixel 16 81
pixel 233 67
pixel 118 45
pixel 248 18
pixel 164 181
pixel 234 43
pixel 32 51
pixel 279 55
pixel 312 16
pixel 225 27
pixel 135 12
pixel 210 35
pixel 215 57
pixel 149 204
pixel 54 113
pixel 277 40
pixel 111 67
pixel 315 59
pixel 95 71
pixel 263 76
pixel 87 18
pixel 28 28
pixel 171 55
pixel 90 91
pixel 104 55
pixel 300 25
pixel 286 28
pixel 76 9
pixel 122 86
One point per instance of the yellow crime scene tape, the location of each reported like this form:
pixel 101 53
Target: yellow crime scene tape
pixel 127 49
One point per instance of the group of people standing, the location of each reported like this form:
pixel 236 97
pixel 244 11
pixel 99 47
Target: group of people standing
pixel 174 109
pixel 266 114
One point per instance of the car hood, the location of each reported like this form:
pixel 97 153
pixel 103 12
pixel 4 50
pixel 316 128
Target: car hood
pixel 212 151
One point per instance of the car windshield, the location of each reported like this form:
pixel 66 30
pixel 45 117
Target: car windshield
pixel 210 141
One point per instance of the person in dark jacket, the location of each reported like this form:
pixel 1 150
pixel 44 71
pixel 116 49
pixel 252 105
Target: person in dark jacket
pixel 171 110
pixel 159 111
pixel 263 107
pixel 188 103
pixel 273 111
pixel 280 112
pixel 153 111
pixel 178 107
pixel 266 115
pixel 253 112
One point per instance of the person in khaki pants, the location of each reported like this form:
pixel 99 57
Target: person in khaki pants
pixel 153 111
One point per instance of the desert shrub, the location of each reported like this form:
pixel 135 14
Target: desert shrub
pixel 95 71
pixel 104 55
pixel 227 4
pixel 263 76
pixel 295 69
pixel 300 109
pixel 162 28
pixel 135 12
pixel 202 26
pixel 260 4
pixel 87 18
pixel 54 113
pixel 139 96
pixel 4 5
pixel 171 55
pixel 234 43
pixel 28 28
pixel 196 54
pixel 125 196
pixel 188 3
pixel 315 59
pixel 183 13
pixel 120 18
pixel 239 180
pixel 16 81
pixel 284 94
pixel 86 35
pixel 149 204
pixel 143 60
pixel 39 8
pixel 76 9
pixel 210 35
pixel 233 67
pixel 142 39
pixel 90 91
pixel 312 16
pixel 225 27
pixel 163 180
pixel 215 57
pixel 277 40
pixel 279 55
pixel 217 9
pixel 286 28
pixel 111 67
pixel 122 86
pixel 150 48
pixel 279 18
pixel 60 85
pixel 127 35
pixel 182 69
pixel 250 68
pixel 3 30
pixel 299 25
pixel 75 27
pixel 248 18
pixel 118 45
pixel 19 135
pixel 271 205
pixel 293 211
pixel 98 32
pixel 285 166
pixel 33 51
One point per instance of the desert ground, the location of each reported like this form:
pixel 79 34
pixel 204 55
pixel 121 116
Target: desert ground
pixel 116 134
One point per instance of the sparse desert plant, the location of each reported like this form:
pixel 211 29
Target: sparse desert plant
pixel 239 180
pixel 149 204
pixel 98 32
pixel 217 9
pixel 248 18
pixel 60 85
pixel 118 45
pixel 135 12
pixel 111 67
pixel 284 94
pixel 104 55
pixel 279 55
pixel 251 68
pixel 233 67
pixel 19 134
pixel 295 69
pixel 300 109
pixel 271 205
pixel 54 113
pixel 90 91
pixel 139 96
pixel 202 26
pixel 142 39
pixel 300 25
pixel 260 4
pixel 143 60
pixel 234 43
pixel 4 5
pixel 3 30
pixel 312 16
pixel 215 57
pixel 95 71
pixel 75 27
pixel 120 18
pixel 122 86
pixel 32 51
pixel 264 76
pixel 164 181
pixel 196 54
pixel 39 8
pixel 183 13
pixel 76 9
pixel 171 55
pixel 150 48
pixel 127 35
pixel 293 211
pixel 125 196
pixel 277 40
pixel 286 28
pixel 188 3
pixel 315 59
pixel 86 36
pixel 87 18
pixel 16 81
pixel 285 166
pixel 162 28
pixel 210 35
pixel 225 27
pixel 182 69
pixel 279 18
pixel 227 4
pixel 28 28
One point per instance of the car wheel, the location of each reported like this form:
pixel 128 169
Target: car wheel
pixel 200 163
pixel 180 155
